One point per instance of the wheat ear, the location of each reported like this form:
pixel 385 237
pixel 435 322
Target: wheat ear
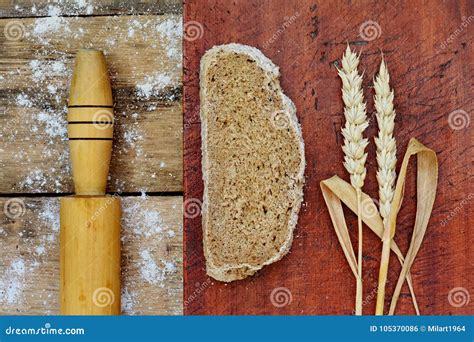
pixel 386 175
pixel 385 142
pixel 354 145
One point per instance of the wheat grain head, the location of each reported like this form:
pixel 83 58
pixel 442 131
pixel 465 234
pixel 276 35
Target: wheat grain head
pixel 356 119
pixel 385 141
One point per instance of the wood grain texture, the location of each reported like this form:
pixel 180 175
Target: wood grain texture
pixel 143 54
pixel 90 159
pixel 38 8
pixel 151 255
pixel 142 41
pixel 90 255
pixel 428 47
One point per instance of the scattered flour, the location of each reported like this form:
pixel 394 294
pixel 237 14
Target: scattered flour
pixel 53 11
pixel 132 139
pixel 48 25
pixel 44 70
pixel 40 250
pixel 48 123
pixel 21 272
pixel 149 270
pixel 83 4
pixel 128 301
pixel 170 267
pixel 153 273
pixel 47 30
pixel 39 180
pixel 144 226
pixel 49 215
pixel 23 100
pixel 52 88
pixel 154 85
pixel 43 110
pixel 55 124
pixel 36 179
pixel 44 28
pixel 172 31
pixel 11 283
pixel 141 223
pixel 49 73
pixel 144 222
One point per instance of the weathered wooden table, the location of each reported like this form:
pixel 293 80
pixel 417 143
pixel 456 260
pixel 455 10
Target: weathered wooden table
pixel 428 46
pixel 142 41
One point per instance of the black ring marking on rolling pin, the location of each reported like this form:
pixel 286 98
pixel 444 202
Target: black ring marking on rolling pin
pixel 89 106
pixel 91 122
pixel 91 139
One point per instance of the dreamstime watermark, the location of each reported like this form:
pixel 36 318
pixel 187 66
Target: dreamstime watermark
pixel 102 297
pixel 105 29
pixel 281 297
pixel 192 207
pixel 457 209
pixel 465 22
pixel 370 30
pixel 46 330
pixel 102 208
pixel 369 207
pixel 103 119
pixel 14 208
pixel 14 30
pixel 368 299
pixel 286 23
pixel 458 297
pixel 193 30
pixel 280 119
pixel 459 119
pixel 199 289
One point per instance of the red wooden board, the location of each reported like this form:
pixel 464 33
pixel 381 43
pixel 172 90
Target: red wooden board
pixel 428 46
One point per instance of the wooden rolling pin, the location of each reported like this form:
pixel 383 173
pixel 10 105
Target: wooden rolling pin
pixel 90 220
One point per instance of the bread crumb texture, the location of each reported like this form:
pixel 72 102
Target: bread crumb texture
pixel 253 162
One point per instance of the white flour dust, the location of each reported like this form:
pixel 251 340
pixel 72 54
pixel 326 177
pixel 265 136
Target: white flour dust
pixel 144 227
pixel 23 270
pixel 33 131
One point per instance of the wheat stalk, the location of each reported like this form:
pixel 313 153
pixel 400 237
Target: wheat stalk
pixel 386 175
pixel 354 145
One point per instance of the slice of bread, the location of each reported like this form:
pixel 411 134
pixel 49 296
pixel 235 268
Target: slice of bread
pixel 252 162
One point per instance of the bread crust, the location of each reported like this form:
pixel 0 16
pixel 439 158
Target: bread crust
pixel 236 271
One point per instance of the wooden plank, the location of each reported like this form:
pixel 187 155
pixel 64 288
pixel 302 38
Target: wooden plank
pixel 431 73
pixel 151 256
pixel 38 8
pixel 144 58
